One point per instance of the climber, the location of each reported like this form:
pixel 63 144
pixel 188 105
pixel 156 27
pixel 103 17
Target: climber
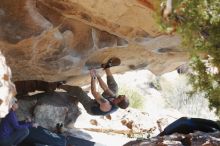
pixel 185 125
pixel 104 103
pixel 12 131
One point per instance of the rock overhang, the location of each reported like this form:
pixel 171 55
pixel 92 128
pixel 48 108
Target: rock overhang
pixel 57 40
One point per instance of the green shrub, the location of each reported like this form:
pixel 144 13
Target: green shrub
pixel 135 98
pixel 198 23
pixel 177 97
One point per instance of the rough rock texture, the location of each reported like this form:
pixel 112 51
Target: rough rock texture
pixel 58 40
pixel 193 139
pixel 7 88
pixel 48 109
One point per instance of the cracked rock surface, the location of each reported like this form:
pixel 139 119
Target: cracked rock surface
pixel 59 40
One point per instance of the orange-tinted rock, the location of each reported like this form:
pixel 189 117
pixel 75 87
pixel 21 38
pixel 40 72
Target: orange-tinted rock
pixel 57 40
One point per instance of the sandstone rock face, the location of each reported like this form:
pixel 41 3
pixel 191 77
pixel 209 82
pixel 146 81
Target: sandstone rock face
pixel 58 40
pixel 7 88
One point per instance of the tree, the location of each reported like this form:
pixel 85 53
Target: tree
pixel 198 23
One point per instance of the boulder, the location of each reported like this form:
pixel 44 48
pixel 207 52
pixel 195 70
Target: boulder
pixel 193 139
pixel 48 109
pixel 7 88
pixel 58 40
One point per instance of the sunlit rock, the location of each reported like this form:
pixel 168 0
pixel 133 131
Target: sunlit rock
pixel 57 40
pixel 7 88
